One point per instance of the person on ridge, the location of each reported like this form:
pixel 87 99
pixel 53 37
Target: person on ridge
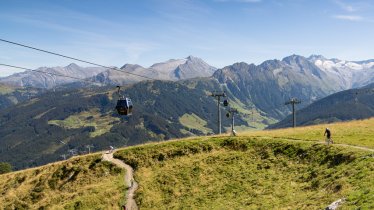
pixel 328 136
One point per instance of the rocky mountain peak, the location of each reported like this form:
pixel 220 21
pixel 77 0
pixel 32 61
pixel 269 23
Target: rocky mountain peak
pixel 294 59
pixel 271 64
pixel 72 66
pixel 240 65
pixel 190 57
pixel 131 67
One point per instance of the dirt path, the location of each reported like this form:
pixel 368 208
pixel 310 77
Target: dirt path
pixel 129 180
pixel 356 147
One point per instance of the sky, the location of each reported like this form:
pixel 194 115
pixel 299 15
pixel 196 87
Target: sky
pixel 221 32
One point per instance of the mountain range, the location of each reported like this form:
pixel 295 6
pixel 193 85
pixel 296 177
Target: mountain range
pixel 347 74
pixel 173 69
pixel 37 79
pixel 337 74
pixel 175 106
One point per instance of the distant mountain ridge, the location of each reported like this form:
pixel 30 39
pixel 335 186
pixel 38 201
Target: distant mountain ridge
pixel 173 69
pixel 340 74
pixel 48 81
pixel 348 74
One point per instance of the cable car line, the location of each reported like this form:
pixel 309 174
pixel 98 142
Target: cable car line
pixel 76 59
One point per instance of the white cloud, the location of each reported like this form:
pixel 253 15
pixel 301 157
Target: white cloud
pixel 349 17
pixel 345 6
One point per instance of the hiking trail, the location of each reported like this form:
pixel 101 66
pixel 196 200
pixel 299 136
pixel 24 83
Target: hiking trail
pixel 129 180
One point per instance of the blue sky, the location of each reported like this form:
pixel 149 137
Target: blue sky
pixel 222 32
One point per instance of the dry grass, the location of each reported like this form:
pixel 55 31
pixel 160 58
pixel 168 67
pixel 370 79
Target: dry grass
pixel 79 183
pixel 260 170
pixel 359 132
pixel 249 173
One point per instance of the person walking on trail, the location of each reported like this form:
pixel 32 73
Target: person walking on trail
pixel 328 136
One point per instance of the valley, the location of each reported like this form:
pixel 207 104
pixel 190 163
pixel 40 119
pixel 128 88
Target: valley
pixel 79 114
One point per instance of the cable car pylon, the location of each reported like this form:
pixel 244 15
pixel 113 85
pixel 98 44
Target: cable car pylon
pixel 218 95
pixel 232 112
pixel 293 101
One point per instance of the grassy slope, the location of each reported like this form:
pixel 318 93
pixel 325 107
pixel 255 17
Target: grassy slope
pixel 78 183
pixel 193 121
pixel 102 124
pixel 257 170
pixel 359 132
pixel 5 89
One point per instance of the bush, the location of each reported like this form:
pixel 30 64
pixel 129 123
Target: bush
pixel 5 168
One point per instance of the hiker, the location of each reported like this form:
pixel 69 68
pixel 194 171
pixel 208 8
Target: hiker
pixel 111 149
pixel 328 136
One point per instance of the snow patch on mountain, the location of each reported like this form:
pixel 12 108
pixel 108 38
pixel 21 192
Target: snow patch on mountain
pixel 352 74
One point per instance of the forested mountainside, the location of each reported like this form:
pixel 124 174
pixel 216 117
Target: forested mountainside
pixel 342 106
pixel 10 95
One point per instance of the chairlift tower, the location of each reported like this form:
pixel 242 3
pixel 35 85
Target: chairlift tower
pixel 218 95
pixel 293 101
pixel 89 148
pixel 232 112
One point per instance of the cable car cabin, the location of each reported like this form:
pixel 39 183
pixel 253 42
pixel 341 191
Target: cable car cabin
pixel 225 102
pixel 124 106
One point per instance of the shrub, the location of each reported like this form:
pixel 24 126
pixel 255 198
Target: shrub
pixel 5 168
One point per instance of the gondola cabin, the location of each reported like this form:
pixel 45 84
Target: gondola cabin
pixel 225 102
pixel 124 106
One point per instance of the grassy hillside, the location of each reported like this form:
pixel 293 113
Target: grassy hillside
pixel 280 169
pixel 192 121
pixel 79 183
pixel 246 172
pixel 358 132
pixel 263 169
